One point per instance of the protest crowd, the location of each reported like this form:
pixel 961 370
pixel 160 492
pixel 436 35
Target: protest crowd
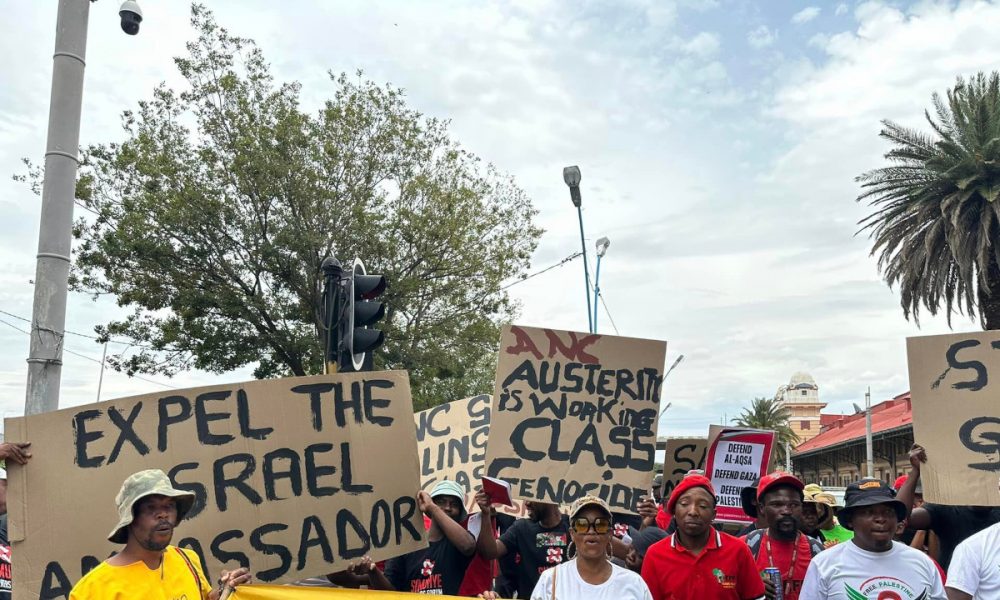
pixel 489 532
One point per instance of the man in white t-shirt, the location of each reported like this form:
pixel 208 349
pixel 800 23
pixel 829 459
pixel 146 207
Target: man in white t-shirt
pixel 974 573
pixel 872 566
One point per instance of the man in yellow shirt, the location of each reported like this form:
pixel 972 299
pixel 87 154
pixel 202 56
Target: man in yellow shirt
pixel 149 508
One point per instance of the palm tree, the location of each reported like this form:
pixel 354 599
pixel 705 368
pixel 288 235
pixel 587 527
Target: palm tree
pixel 768 413
pixel 937 205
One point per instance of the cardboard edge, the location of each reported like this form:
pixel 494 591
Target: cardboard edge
pixel 17 504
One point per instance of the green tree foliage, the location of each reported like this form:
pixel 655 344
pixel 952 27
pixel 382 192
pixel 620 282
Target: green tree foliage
pixel 768 413
pixel 209 222
pixel 935 227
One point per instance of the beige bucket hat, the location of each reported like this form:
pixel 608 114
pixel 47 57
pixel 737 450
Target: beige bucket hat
pixel 151 482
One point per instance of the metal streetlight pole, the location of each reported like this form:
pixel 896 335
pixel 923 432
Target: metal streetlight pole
pixel 48 316
pixel 571 175
pixel 602 248
pixel 868 433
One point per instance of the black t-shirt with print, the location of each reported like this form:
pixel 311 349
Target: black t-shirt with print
pixel 539 548
pixel 438 569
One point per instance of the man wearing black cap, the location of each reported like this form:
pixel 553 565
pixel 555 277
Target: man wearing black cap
pixel 872 566
pixel 951 524
pixel 748 500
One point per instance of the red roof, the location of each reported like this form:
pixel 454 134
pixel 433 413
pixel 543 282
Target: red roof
pixel 838 429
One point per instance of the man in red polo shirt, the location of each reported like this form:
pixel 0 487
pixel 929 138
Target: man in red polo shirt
pixel 781 545
pixel 697 562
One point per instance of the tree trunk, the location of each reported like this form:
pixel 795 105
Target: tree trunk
pixel 989 297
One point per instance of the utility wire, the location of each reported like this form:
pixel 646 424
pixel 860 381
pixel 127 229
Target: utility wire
pixel 608 312
pixel 83 356
pixel 558 264
pixel 83 335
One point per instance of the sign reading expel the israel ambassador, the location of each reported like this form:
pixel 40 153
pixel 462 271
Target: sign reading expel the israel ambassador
pixel 290 477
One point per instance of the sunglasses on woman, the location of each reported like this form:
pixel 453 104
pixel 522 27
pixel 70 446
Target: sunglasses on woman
pixel 600 525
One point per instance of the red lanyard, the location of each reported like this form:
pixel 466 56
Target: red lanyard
pixel 795 554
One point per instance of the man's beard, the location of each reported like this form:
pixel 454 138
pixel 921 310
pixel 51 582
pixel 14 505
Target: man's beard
pixel 151 544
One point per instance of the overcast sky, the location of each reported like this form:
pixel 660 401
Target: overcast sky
pixel 719 141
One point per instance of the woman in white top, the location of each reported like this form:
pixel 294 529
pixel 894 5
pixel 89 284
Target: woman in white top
pixel 590 574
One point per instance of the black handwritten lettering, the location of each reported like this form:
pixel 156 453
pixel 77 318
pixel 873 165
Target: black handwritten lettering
pixel 126 431
pixel 237 482
pixel 166 419
pixel 203 418
pixel 258 544
pixel 82 437
pixel 991 447
pixel 292 472
pixel 243 413
pixel 199 490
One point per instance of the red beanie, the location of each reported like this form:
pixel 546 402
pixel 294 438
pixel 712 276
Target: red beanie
pixel 691 481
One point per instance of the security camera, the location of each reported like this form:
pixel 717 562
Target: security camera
pixel 131 16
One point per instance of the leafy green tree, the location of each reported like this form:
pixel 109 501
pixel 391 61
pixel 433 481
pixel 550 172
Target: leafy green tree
pixel 209 222
pixel 768 413
pixel 937 205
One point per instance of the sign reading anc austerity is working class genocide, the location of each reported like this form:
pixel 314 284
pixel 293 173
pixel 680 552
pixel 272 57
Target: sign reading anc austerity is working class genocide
pixel 955 392
pixel 575 414
pixel 292 477
pixel 736 457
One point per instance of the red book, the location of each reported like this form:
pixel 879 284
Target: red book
pixel 498 490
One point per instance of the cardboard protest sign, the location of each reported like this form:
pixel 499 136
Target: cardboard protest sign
pixel 451 441
pixel 292 477
pixel 681 456
pixel 575 414
pixel 955 394
pixel 736 457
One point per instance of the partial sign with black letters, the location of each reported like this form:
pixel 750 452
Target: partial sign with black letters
pixel 575 414
pixel 681 456
pixel 955 394
pixel 292 477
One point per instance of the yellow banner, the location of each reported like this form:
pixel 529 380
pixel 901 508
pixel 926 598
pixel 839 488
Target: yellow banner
pixel 290 592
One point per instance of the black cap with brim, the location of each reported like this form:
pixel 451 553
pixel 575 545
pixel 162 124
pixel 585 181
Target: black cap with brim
pixel 845 514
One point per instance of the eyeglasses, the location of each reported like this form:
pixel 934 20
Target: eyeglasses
pixel 583 525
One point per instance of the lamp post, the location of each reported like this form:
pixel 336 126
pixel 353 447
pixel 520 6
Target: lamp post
pixel 571 175
pixel 55 234
pixel 602 248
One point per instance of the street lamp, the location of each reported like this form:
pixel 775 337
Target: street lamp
pixel 571 175
pixel 48 312
pixel 602 247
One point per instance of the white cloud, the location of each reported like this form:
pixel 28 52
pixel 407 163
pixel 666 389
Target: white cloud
pixel 762 37
pixel 841 10
pixel 704 45
pixel 805 15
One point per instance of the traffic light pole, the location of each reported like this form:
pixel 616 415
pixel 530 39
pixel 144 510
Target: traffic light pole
pixel 333 309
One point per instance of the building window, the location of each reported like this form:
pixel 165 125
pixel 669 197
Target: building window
pixel 806 425
pixel 805 392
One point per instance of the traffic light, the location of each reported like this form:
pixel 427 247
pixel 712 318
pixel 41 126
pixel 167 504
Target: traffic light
pixel 359 338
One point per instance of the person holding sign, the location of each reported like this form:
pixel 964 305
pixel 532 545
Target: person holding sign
pixel 697 562
pixel 590 575
pixel 872 566
pixel 439 568
pixel 781 545
pixel 973 574
pixel 541 540
pixel 149 508
pixel 951 524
